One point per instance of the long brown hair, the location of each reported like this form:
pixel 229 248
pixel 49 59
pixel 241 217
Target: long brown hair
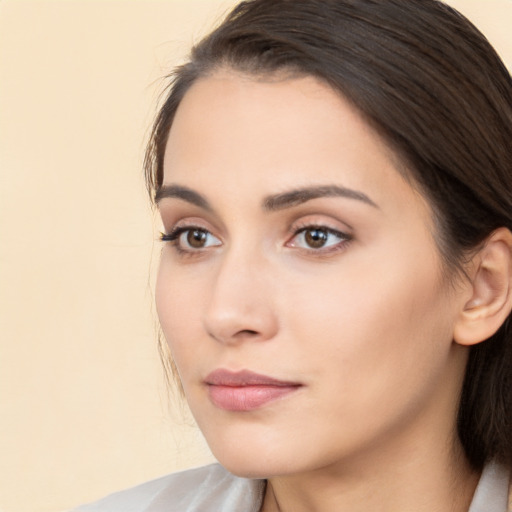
pixel 438 93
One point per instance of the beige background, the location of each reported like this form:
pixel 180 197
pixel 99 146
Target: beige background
pixel 83 407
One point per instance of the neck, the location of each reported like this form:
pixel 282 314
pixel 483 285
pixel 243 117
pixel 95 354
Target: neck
pixel 418 483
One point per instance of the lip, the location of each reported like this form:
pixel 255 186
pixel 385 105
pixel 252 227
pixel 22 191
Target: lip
pixel 245 390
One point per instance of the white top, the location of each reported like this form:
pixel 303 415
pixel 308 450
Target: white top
pixel 212 489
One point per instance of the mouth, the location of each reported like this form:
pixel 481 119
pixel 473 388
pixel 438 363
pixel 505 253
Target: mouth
pixel 245 390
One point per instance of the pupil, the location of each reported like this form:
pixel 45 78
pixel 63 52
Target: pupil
pixel 316 238
pixel 196 238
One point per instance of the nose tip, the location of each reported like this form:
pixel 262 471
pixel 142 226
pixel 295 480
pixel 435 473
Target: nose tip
pixel 232 325
pixel 240 307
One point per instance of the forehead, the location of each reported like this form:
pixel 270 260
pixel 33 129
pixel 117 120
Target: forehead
pixel 240 132
pixel 291 106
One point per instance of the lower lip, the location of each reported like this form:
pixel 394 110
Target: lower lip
pixel 246 398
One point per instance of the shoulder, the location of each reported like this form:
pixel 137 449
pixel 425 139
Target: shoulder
pixel 204 489
pixel 492 492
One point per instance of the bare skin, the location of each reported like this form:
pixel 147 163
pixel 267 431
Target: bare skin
pixel 301 253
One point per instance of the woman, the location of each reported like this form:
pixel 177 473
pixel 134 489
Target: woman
pixel 334 181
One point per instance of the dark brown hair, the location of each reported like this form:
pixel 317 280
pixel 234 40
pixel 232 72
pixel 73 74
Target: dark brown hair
pixel 438 93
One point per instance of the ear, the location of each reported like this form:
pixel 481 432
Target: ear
pixel 490 288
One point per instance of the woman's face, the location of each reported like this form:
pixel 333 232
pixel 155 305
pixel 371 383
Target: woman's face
pixel 300 289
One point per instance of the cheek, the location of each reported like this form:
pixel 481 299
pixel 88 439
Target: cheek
pixel 371 326
pixel 177 305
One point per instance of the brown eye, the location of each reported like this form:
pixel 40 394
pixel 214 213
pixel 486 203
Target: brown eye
pixel 315 237
pixel 191 239
pixel 319 239
pixel 196 238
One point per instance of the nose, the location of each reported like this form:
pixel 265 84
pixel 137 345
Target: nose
pixel 240 306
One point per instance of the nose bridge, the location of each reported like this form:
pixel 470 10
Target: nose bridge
pixel 240 302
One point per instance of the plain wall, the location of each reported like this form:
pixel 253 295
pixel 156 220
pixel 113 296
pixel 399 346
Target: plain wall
pixel 83 405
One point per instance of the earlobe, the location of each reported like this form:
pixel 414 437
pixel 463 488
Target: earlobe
pixel 491 291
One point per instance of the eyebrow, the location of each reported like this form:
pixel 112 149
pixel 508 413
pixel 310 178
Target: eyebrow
pixel 185 193
pixel 302 195
pixel 270 203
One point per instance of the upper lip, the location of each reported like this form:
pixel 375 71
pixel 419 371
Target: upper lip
pixel 222 377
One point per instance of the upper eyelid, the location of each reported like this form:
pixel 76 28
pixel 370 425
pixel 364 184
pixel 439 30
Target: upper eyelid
pixel 176 231
pixel 189 222
pixel 329 229
pixel 177 211
pixel 174 235
pixel 342 235
pixel 190 215
pixel 332 225
pixel 309 220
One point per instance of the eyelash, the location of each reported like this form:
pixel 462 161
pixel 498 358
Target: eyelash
pixel 344 239
pixel 174 237
pixel 176 232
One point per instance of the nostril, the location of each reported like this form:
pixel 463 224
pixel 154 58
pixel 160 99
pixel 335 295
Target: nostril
pixel 247 332
pixel 242 334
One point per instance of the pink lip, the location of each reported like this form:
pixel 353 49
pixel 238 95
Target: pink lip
pixel 245 390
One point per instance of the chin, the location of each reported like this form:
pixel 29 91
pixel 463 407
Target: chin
pixel 260 457
pixel 257 468
pixel 243 461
